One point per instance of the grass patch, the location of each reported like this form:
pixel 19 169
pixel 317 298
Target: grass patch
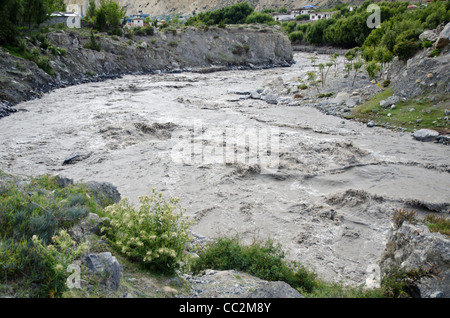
pixel 427 111
pixel 438 224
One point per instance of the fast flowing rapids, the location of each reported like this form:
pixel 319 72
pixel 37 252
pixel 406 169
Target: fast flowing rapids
pixel 325 188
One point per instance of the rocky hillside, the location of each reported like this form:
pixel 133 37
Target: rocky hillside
pixel 159 7
pixel 167 51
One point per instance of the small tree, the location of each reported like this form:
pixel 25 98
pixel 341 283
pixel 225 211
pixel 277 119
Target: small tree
pixel 356 67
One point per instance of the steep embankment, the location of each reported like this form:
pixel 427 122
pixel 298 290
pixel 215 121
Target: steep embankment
pixel 170 51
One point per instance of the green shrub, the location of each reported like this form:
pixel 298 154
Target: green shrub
pixel 240 49
pixel 45 43
pixel 54 260
pixel 44 63
pixel 259 17
pixel 434 53
pixel 31 250
pixel 406 49
pixel 296 36
pixel 401 283
pixel 155 235
pixel 325 95
pixel 93 44
pixel 302 86
pixel 438 224
pixel 261 259
pixel 386 83
pixel 427 43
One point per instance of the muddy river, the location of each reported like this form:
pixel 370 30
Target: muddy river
pixel 323 187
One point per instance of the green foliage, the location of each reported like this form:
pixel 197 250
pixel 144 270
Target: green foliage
pixel 265 260
pixel 302 17
pixel 323 95
pixel 296 36
pixel 155 235
pixel 44 63
pixel 398 32
pixel 427 43
pixel 401 283
pixel 93 44
pixel 35 248
pixel 434 53
pixel 107 17
pixel 240 49
pixel 259 17
pixel 438 224
pixel 233 14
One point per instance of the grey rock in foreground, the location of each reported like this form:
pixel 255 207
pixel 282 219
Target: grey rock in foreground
pixel 234 284
pixel 413 247
pixel 107 267
pixel 425 134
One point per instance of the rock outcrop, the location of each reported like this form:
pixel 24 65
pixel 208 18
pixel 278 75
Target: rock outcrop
pixel 413 247
pixel 424 73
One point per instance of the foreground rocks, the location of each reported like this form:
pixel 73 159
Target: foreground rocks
pixel 413 247
pixel 233 284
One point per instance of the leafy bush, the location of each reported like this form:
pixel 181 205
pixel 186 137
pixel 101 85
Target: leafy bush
pixel 233 14
pixel 35 248
pixel 261 259
pixel 155 235
pixel 434 53
pixel 240 49
pixel 93 44
pixel 427 43
pixel 296 36
pixel 259 17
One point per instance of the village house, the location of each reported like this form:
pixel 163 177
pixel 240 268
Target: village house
pixel 70 19
pixel 303 10
pixel 136 20
pixel 314 16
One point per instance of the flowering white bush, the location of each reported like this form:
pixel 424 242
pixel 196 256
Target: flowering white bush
pixel 156 234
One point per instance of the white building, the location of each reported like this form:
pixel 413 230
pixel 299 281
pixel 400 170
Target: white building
pixel 283 16
pixel 314 16
pixel 70 19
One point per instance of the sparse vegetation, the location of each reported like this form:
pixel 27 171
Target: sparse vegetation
pixel 438 224
pixel 34 245
pixel 155 235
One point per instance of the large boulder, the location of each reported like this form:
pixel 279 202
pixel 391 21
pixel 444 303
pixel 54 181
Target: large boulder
pixel 107 267
pixel 412 247
pixel 234 284
pixel 425 134
pixel 444 37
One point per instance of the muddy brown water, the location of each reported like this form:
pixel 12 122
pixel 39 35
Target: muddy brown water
pixel 326 189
